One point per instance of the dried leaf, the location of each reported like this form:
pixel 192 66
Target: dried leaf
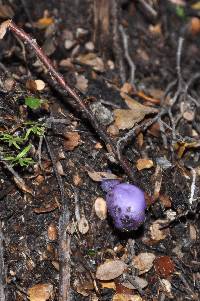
pixel 110 270
pixel 98 176
pixel 48 208
pixel 196 5
pixel 3 28
pixel 83 287
pixel 125 297
pixel 108 284
pixel 126 119
pixel 144 164
pixel 100 208
pixel 127 88
pixel 157 233
pixel 92 60
pixel 164 266
pixel 6 11
pixel 52 232
pixel 44 22
pixel 81 83
pixel 72 140
pixel 165 200
pixel 59 168
pixel 166 285
pixel 40 85
pixel 141 282
pixel 192 232
pixel 22 185
pixel 40 292
pixel 143 262
pixel 83 225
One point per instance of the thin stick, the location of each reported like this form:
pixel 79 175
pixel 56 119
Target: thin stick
pixel 2 270
pixel 64 237
pixel 116 41
pixel 60 80
pixel 127 55
pixel 193 186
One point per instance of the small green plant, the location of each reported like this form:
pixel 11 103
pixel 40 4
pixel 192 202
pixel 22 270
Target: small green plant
pixel 33 103
pixel 180 11
pixel 20 143
pixel 21 158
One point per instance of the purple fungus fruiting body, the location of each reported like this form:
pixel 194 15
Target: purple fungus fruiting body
pixel 107 185
pixel 126 204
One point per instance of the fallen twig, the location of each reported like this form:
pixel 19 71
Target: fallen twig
pixel 2 270
pixel 116 41
pixel 18 180
pixel 27 39
pixel 127 55
pixel 64 237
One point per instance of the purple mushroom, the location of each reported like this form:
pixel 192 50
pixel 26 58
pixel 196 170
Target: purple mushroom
pixel 126 204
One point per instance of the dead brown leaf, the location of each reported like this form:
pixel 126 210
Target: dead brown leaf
pixel 40 292
pixel 3 28
pixel 92 60
pixel 72 140
pixel 100 208
pixel 127 118
pixel 157 233
pixel 44 22
pixel 81 83
pixel 6 11
pixel 110 269
pixel 48 208
pixel 144 164
pixel 83 225
pixel 143 262
pixel 98 176
pixel 22 185
pixel 125 297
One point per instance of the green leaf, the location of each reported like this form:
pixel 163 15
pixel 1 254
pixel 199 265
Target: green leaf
pixel 180 11
pixel 33 103
pixel 24 151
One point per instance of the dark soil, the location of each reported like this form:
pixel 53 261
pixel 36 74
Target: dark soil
pixel 30 255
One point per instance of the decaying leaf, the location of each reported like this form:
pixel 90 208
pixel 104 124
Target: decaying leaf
pixel 141 283
pixel 83 225
pixel 81 83
pixel 22 185
pixel 40 292
pixel 166 286
pixel 92 60
pixel 144 164
pixel 143 262
pixel 83 287
pixel 98 176
pixel 72 140
pixel 6 11
pixel 164 266
pixel 44 22
pixel 125 297
pixel 127 118
pixel 196 5
pixel 110 269
pixel 127 88
pixel 108 284
pixel 47 208
pixel 157 233
pixel 59 168
pixel 40 85
pixel 3 28
pixel 100 208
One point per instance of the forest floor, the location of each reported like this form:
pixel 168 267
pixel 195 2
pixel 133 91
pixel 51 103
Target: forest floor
pixel 135 66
